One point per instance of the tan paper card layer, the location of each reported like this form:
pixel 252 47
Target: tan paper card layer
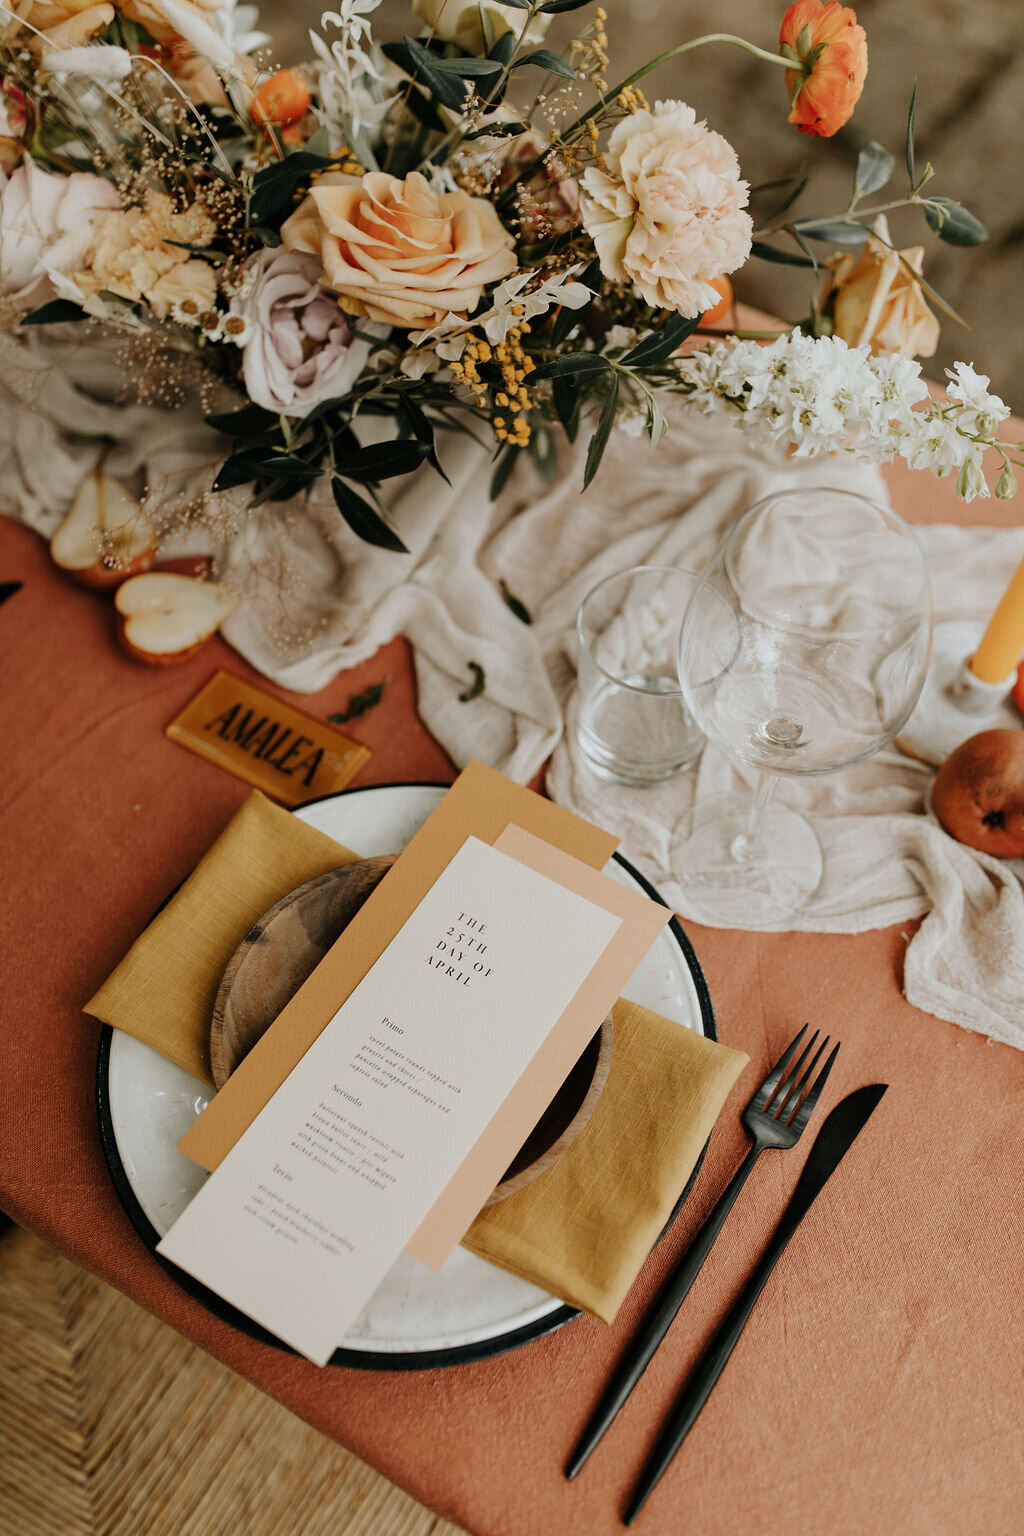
pixel 463 1196
pixel 279 749
pixel 481 803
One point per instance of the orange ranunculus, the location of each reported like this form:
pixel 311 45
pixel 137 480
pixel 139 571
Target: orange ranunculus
pixel 830 53
pixel 282 99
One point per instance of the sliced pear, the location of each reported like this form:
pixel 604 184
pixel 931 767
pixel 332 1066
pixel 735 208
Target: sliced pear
pixel 106 537
pixel 166 618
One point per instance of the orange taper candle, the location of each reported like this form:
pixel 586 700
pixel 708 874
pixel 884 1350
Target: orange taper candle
pixel 1000 647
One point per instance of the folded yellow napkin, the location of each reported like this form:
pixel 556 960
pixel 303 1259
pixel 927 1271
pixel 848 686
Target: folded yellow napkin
pixel 582 1229
pixel 165 987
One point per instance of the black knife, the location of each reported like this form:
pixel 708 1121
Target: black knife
pixel 834 1140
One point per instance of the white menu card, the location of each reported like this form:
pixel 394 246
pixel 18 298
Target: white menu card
pixel 305 1215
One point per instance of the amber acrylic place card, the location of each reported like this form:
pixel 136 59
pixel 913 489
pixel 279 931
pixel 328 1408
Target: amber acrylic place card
pixel 271 745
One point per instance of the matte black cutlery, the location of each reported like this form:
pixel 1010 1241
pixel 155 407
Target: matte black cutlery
pixel 837 1135
pixel 775 1117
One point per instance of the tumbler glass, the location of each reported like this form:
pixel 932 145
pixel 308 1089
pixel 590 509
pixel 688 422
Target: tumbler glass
pixel 633 727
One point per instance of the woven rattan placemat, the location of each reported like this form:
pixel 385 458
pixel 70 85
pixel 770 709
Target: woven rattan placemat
pixel 112 1425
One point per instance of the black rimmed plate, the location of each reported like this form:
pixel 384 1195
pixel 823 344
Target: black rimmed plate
pixel 416 1319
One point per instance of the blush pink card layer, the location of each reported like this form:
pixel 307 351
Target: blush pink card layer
pixel 642 921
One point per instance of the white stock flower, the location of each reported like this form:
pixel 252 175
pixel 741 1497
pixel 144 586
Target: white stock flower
pixel 932 441
pixel 817 395
pixel 981 411
pixel 666 210
pixel 971 480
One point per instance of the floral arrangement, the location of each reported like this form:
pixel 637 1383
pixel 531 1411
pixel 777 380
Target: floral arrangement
pixel 462 228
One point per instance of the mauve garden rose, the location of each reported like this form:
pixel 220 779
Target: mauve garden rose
pixel 300 350
pixel 666 210
pixel 396 250
pixel 47 224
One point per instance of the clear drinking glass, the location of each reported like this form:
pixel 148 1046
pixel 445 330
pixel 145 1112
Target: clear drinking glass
pixel 632 725
pixel 803 649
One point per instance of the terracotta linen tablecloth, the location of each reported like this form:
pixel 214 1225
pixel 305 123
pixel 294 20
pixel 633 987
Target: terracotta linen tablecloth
pixel 879 1385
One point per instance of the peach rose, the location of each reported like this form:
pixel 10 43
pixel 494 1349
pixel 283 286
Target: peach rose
pixel 666 212
pixel 832 53
pixel 877 302
pixel 396 250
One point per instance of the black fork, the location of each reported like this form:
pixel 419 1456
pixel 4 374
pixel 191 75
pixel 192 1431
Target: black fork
pixel 775 1117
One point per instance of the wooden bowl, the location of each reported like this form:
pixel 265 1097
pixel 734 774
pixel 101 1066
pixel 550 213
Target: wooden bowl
pixel 288 943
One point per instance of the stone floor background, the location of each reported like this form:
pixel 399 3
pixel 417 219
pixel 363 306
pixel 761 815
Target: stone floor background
pixel 969 62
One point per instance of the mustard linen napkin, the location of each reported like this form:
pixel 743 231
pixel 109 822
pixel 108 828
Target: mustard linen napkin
pixel 583 1229
pixel 165 987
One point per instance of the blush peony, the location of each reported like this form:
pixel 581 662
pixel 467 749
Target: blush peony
pixel 48 224
pixel 666 212
pixel 397 251
pixel 300 350
pixel 877 299
pixel 831 50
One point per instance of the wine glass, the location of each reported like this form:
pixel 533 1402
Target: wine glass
pixel 803 649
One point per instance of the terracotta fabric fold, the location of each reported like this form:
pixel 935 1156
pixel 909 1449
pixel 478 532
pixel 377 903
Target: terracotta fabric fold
pixel 583 1229
pixel 164 989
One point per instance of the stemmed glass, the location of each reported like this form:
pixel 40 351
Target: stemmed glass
pixel 803 649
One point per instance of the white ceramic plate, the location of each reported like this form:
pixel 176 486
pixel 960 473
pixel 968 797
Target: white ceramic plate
pixel 415 1318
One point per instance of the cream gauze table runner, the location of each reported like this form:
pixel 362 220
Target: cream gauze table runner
pixel 316 601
